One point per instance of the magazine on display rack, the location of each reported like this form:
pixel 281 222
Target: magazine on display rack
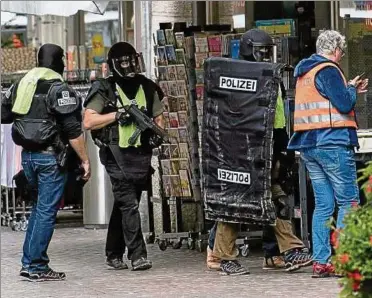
pixel 179 69
pixel 171 70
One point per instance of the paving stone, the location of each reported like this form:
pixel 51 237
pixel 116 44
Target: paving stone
pixel 176 273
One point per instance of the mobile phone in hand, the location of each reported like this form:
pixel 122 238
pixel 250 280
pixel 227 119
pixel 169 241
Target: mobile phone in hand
pixel 365 75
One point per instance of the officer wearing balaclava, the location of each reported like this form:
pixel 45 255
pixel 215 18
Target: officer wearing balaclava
pixel 282 248
pixel 128 164
pixel 46 120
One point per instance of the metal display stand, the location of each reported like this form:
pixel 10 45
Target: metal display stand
pixel 173 72
pixel 174 234
pixel 14 213
pixel 13 216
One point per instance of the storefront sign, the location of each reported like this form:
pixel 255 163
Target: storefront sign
pixel 363 5
pixel 356 9
pixel 239 7
pixel 369 24
pixel 284 27
pixel 98 49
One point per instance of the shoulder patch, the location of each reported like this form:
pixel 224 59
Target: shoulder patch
pixel 63 99
pixel 66 99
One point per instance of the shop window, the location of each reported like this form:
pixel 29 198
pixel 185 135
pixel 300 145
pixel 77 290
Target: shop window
pixel 358 60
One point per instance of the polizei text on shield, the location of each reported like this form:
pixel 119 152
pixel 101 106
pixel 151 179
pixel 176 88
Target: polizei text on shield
pixel 246 85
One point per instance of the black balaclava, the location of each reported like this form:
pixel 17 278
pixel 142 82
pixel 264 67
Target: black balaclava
pixel 122 62
pixel 51 56
pixel 256 45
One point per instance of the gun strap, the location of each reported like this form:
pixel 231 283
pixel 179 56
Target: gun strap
pixel 119 98
pixel 282 89
pixel 115 150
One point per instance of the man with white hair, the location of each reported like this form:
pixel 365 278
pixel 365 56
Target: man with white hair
pixel 325 134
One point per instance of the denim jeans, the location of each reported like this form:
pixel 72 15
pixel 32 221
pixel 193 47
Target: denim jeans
pixel 42 171
pixel 332 171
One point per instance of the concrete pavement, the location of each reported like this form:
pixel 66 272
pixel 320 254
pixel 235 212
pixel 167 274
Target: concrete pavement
pixel 176 273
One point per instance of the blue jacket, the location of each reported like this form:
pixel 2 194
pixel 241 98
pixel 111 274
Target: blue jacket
pixel 330 84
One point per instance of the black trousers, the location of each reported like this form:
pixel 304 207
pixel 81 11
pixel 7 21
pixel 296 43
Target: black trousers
pixel 124 231
pixel 269 242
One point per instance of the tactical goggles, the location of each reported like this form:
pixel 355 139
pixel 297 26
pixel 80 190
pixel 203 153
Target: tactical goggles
pixel 130 64
pixel 263 52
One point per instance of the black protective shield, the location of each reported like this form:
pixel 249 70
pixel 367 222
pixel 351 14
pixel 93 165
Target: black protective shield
pixel 237 140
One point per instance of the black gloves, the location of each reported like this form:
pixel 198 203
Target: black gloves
pixel 155 141
pixel 123 118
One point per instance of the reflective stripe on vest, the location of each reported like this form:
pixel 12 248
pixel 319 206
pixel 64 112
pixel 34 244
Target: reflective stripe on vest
pixel 125 132
pixel 312 110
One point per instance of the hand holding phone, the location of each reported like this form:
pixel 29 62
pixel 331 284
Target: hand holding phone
pixel 363 76
pixel 362 87
pixel 356 81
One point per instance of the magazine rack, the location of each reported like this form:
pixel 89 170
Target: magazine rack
pixel 180 55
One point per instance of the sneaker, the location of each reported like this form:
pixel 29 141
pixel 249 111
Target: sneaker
pixel 141 264
pixel 323 270
pixel 213 263
pixel 297 258
pixel 48 275
pixel 117 264
pixel 327 270
pixel 24 272
pixel 276 262
pixel 233 268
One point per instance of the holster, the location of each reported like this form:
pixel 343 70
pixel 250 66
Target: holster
pixel 62 153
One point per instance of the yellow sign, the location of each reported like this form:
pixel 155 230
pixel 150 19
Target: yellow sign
pixel 98 48
pixel 277 29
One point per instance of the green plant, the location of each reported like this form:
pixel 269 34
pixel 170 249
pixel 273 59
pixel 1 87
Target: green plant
pixel 353 245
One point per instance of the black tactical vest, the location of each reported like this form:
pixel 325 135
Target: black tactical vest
pixel 38 129
pixel 109 135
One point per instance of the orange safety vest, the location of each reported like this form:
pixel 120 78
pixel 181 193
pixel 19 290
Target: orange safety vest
pixel 312 110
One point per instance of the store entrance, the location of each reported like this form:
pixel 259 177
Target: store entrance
pixel 302 12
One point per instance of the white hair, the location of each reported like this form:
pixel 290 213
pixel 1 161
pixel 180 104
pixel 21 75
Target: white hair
pixel 328 41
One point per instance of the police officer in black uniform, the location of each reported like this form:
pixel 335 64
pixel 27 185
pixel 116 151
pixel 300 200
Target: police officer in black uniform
pixel 46 123
pixel 128 165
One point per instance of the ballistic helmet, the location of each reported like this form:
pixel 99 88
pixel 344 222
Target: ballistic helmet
pixel 256 45
pixel 124 61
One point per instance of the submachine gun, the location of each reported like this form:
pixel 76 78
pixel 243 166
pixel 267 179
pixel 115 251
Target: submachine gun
pixel 143 122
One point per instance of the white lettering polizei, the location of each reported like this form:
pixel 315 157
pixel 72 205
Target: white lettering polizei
pixel 246 85
pixel 66 102
pixel 234 177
